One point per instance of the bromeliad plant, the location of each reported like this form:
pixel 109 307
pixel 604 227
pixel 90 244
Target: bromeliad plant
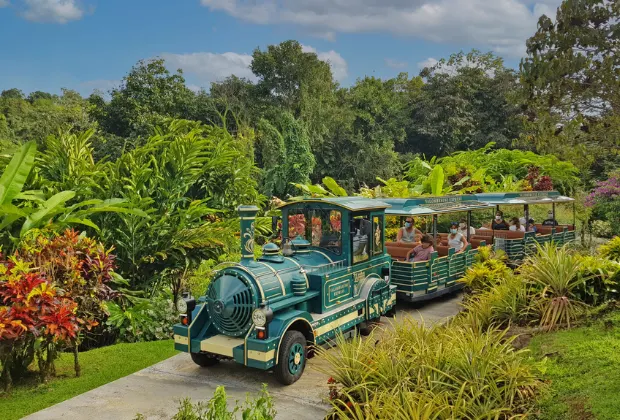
pixel 453 371
pixel 35 320
pixel 555 273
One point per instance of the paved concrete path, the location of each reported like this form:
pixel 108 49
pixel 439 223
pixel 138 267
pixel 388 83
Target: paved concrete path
pixel 156 391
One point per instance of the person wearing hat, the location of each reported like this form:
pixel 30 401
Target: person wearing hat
pixel 456 240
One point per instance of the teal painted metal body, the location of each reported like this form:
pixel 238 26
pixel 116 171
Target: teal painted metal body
pixel 332 273
pixel 333 280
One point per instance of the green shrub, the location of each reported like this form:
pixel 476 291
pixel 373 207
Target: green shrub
pixel 611 249
pixel 555 274
pixel 601 279
pixel 506 303
pixel 141 319
pixel 488 271
pixel 441 372
pixel 602 229
pixel 260 408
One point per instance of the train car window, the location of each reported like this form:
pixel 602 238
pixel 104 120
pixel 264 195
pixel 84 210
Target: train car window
pixel 327 230
pixel 377 235
pixel 362 232
pixel 297 224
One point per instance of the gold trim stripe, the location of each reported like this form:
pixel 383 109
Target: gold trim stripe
pixel 275 273
pixel 179 339
pixel 323 254
pixel 323 329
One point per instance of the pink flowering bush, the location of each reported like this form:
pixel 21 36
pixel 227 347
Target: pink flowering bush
pixel 605 202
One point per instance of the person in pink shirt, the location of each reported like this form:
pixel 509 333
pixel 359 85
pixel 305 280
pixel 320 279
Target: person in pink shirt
pixel 423 252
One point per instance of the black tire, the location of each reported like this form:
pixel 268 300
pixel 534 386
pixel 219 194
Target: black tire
pixel 204 359
pixel 292 356
pixel 365 328
pixel 391 313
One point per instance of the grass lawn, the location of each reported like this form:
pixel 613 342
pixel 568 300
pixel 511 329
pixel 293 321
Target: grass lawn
pixel 99 367
pixel 584 371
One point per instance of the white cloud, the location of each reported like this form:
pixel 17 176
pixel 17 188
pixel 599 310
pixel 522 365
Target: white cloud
pixel 56 11
pixel 395 64
pixel 337 63
pixel 4 3
pixel 502 25
pixel 209 67
pixel 429 62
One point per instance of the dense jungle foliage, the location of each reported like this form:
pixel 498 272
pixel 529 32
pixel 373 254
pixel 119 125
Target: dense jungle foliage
pixel 152 172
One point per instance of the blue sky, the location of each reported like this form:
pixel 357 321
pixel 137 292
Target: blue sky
pixel 92 44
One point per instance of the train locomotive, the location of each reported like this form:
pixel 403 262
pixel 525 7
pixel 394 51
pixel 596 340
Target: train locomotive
pixel 336 272
pixel 331 273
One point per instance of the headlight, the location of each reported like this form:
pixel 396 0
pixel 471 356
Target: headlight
pixel 182 305
pixel 259 318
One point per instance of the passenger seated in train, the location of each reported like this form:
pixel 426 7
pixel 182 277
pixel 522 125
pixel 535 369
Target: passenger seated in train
pixel 408 233
pixel 463 228
pixel 499 223
pixel 423 251
pixel 532 227
pixel 455 239
pixel 516 226
pixel 550 221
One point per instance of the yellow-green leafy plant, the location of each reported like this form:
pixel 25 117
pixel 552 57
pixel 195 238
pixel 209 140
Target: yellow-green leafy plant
pixel 554 273
pixel 488 271
pixel 611 249
pixel 437 372
pixel 602 279
pixel 508 302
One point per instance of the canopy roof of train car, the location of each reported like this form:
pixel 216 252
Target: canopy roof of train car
pixel 523 197
pixel 433 205
pixel 348 203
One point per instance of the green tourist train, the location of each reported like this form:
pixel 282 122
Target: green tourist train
pixel 335 271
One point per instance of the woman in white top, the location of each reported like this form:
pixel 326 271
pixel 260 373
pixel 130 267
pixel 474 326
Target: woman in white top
pixel 516 226
pixel 463 228
pixel 408 233
pixel 455 239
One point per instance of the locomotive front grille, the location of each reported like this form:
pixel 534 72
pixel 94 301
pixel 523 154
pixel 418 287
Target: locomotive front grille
pixel 230 302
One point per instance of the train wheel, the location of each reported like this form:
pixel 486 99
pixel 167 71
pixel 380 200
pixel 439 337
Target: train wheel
pixel 365 328
pixel 204 359
pixel 391 313
pixel 292 357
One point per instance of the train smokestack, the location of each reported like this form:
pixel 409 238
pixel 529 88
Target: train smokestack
pixel 247 214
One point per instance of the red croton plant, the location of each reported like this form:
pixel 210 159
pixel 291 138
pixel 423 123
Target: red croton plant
pixel 33 317
pixel 52 292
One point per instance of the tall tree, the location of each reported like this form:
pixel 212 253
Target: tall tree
pixel 286 73
pixel 573 63
pixel 571 80
pixel 465 103
pixel 148 94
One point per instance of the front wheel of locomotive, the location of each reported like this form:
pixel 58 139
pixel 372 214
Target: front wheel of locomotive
pixel 204 359
pixel 292 357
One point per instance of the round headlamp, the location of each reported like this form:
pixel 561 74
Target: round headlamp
pixel 182 305
pixel 259 317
